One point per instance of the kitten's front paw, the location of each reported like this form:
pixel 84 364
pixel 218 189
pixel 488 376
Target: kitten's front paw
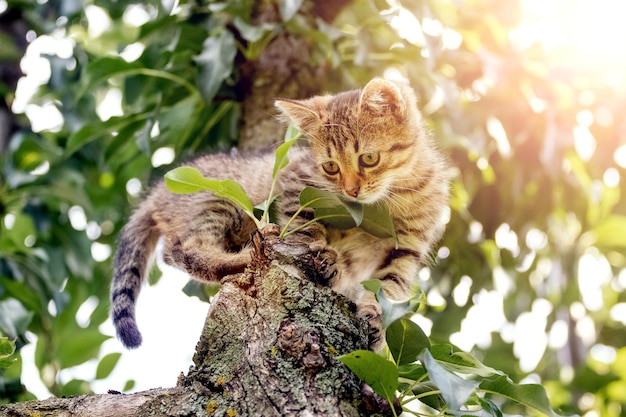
pixel 372 313
pixel 325 261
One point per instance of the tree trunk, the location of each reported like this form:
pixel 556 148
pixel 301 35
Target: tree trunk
pixel 269 347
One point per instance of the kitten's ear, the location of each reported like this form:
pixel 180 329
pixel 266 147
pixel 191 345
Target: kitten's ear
pixel 308 114
pixel 383 97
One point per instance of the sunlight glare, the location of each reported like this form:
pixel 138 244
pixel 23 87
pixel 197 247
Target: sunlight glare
pixel 594 273
pixel 133 187
pixel 407 26
pixel 133 51
pixel 137 15
pixel 483 318
pixel 558 335
pixel 42 169
pixel 86 309
pixel 611 177
pixel 99 21
pixel 506 238
pixel 9 221
pixel 620 156
pixel 578 33
pixel 531 339
pixel 110 105
pixel 461 292
pixel 603 353
pixel 93 230
pixel 78 218
pixel 100 252
pixel 584 142
pixel 497 131
pixel 618 313
pixel 45 117
pixel 536 239
pixel 163 156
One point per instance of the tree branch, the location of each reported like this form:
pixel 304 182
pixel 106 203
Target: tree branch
pixel 268 347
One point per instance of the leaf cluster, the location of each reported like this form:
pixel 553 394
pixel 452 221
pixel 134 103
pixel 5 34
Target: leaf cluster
pixel 436 379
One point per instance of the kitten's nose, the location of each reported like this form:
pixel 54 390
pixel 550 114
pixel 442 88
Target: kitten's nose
pixel 354 191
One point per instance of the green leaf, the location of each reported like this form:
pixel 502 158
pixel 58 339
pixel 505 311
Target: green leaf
pixel 21 292
pixel 186 180
pixel 376 371
pixel 78 346
pixel 288 8
pixel 129 385
pixel 171 125
pixel 7 349
pixel 268 207
pixel 107 364
pixel 429 394
pixel 331 210
pixel 530 395
pixel 331 206
pixel 412 371
pixel 292 133
pixel 461 362
pixel 454 389
pixel 232 191
pixel 406 340
pixel 74 387
pixel 281 159
pixel 372 285
pixel 14 318
pixel 102 70
pixel 490 407
pixel 215 63
pixel 91 132
pixel 203 290
pixel 377 221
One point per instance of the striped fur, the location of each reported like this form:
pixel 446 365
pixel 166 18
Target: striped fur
pixel 375 140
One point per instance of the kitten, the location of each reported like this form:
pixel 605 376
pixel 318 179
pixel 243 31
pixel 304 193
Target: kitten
pixel 368 146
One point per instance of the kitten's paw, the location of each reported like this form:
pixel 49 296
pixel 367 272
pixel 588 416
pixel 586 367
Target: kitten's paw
pixel 325 261
pixel 372 313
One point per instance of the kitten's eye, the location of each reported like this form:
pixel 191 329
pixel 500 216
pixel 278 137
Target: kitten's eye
pixel 330 167
pixel 369 160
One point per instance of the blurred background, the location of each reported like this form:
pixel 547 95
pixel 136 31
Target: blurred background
pixel 526 97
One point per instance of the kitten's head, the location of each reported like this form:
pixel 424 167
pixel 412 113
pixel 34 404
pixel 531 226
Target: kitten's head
pixel 364 141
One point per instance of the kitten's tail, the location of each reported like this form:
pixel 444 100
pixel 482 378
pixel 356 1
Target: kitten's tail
pixel 133 259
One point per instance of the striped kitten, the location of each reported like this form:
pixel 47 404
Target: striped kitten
pixel 368 146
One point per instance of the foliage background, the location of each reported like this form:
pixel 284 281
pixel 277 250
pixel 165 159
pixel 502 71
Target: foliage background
pixel 535 246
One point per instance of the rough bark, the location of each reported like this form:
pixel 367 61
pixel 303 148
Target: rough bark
pixel 269 348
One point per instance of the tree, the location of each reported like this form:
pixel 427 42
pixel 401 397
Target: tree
pixel 535 207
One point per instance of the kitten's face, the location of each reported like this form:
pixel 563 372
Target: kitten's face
pixel 361 140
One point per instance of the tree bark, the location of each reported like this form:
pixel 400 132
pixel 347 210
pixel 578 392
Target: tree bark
pixel 269 347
